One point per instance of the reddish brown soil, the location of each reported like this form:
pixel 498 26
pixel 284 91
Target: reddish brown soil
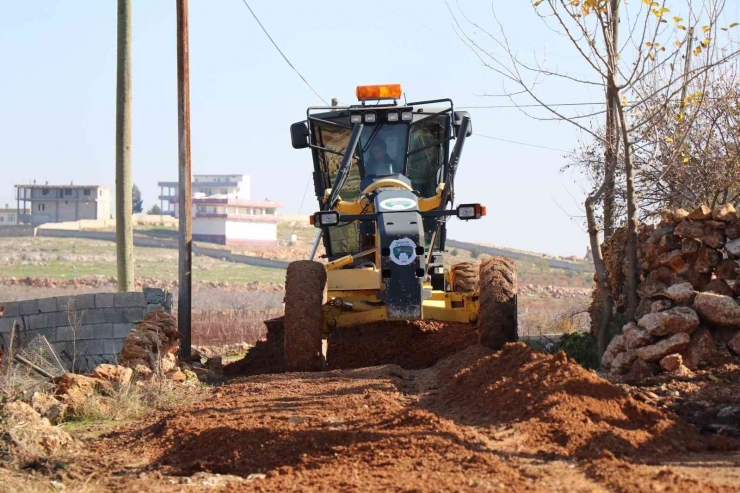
pixel 410 345
pixel 513 421
pixel 561 407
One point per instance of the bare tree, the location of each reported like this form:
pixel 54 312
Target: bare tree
pixel 623 46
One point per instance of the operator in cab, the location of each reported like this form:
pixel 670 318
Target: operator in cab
pixel 377 161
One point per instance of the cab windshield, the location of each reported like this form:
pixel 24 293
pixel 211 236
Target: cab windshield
pixel 383 149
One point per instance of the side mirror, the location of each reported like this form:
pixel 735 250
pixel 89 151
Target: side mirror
pixel 457 118
pixel 299 135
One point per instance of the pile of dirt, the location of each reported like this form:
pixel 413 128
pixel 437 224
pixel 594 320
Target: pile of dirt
pixel 265 357
pixel 559 406
pixel 410 345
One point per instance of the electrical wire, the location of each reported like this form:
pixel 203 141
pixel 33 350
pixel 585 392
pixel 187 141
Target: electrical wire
pixel 521 143
pixel 526 105
pixel 283 54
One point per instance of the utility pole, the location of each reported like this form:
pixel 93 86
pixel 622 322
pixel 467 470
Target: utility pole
pixel 183 127
pixel 124 209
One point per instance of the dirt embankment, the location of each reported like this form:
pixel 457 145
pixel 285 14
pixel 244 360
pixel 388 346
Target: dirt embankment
pixel 516 420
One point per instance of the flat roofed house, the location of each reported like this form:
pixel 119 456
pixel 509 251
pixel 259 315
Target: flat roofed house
pixel 61 203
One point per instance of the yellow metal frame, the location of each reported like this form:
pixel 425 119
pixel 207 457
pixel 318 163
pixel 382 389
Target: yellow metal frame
pixel 352 300
pixel 352 293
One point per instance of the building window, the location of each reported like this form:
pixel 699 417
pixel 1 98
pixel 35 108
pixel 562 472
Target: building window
pixel 201 208
pixel 86 192
pixel 224 191
pixel 44 191
pixel 68 191
pixel 2 219
pixel 11 218
pixel 215 210
pixel 42 207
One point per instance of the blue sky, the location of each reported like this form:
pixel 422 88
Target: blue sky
pixel 57 94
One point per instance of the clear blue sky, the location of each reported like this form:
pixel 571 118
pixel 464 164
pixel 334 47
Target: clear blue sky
pixel 57 99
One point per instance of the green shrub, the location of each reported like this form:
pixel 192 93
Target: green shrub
pixel 581 346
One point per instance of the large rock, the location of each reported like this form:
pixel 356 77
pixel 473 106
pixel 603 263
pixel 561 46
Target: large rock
pixel 724 212
pixel 664 347
pixel 680 293
pixel 714 238
pixel 696 278
pixel 672 362
pixel 734 344
pixel 665 275
pixel 727 269
pixel 700 213
pixel 717 309
pixel 690 248
pixel 672 217
pixel 644 307
pixel 702 351
pixel 642 369
pixel 622 362
pixel 691 229
pixel 649 288
pixel 672 259
pixel 615 347
pixel 48 407
pixel 74 387
pixel 732 230
pixel 660 306
pixel 117 374
pixel 35 434
pixel 733 247
pixel 668 243
pixel 673 321
pixel 707 259
pixel 634 337
pixel 718 286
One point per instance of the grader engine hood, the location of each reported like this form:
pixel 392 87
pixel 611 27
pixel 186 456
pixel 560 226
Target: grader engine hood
pixel 400 239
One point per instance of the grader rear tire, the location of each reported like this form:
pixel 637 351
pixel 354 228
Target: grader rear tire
pixel 464 277
pixel 497 314
pixel 305 295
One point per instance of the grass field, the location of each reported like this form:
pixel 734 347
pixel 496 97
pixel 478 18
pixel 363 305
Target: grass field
pixel 68 258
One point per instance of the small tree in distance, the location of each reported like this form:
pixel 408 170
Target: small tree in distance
pixel 138 204
pixel 155 210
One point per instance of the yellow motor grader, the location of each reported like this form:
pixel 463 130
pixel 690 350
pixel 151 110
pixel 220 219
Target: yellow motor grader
pixel 384 176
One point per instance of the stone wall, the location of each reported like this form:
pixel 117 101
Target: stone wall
pixel 89 328
pixel 688 317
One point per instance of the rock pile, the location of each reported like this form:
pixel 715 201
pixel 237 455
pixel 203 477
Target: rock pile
pixel 688 316
pixel 151 346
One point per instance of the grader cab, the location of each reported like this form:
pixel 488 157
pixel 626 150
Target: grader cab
pixel 384 176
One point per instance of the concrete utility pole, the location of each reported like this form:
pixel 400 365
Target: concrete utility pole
pixel 183 127
pixel 124 208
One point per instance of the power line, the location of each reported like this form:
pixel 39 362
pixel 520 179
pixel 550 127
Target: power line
pixel 527 105
pixel 521 143
pixel 283 54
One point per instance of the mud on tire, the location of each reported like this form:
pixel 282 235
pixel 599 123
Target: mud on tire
pixel 497 315
pixel 464 277
pixel 305 294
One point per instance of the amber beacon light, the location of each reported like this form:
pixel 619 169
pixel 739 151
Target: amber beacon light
pixel 383 91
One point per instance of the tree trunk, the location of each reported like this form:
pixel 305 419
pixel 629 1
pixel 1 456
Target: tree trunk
pixel 629 171
pixel 607 304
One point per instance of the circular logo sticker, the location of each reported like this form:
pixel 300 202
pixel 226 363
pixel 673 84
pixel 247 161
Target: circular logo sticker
pixel 397 204
pixel 403 251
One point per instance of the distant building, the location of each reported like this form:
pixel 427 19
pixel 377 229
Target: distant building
pixel 61 203
pixel 9 217
pixel 223 211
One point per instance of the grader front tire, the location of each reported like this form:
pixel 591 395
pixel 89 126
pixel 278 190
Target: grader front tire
pixel 305 295
pixel 497 314
pixel 464 277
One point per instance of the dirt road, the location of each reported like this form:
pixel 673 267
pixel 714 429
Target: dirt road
pixel 511 421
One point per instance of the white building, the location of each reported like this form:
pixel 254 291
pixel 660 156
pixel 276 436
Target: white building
pixel 9 217
pixel 223 211
pixel 60 203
